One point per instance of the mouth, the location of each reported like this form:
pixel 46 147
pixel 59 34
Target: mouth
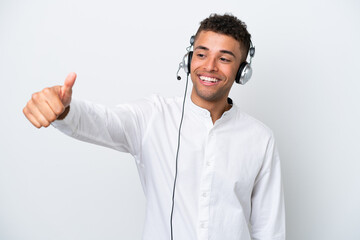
pixel 208 81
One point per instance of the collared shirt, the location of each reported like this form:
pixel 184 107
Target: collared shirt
pixel 229 181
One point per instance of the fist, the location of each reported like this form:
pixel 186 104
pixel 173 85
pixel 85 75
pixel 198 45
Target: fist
pixel 50 104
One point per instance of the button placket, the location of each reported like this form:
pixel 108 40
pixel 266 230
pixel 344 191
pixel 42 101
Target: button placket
pixel 205 186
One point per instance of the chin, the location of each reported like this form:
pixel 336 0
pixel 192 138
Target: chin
pixel 208 97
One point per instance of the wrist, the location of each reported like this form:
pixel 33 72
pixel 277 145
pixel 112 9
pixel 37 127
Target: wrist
pixel 64 114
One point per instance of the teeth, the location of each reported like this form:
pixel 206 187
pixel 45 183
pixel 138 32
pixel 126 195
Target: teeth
pixel 208 79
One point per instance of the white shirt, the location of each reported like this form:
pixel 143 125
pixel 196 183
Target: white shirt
pixel 229 180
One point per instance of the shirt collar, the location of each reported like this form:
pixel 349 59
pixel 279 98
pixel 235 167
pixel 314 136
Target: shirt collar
pixel 204 112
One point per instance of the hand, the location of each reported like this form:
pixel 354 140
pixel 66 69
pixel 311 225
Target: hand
pixel 50 104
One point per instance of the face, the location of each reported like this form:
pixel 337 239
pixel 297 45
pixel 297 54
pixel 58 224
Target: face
pixel 215 62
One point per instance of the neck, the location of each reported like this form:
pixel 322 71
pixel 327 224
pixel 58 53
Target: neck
pixel 216 108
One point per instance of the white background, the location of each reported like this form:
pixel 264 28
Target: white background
pixel 305 87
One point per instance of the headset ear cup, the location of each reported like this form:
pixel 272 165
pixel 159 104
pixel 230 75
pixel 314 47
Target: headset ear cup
pixel 239 73
pixel 189 62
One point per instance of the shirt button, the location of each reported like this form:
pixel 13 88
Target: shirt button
pixel 204 195
pixel 208 163
pixel 203 225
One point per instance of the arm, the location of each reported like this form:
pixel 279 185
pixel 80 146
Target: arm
pixel 120 128
pixel 268 211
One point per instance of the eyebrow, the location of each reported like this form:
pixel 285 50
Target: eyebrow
pixel 222 51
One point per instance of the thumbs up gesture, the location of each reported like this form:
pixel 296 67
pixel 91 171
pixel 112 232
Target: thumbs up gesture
pixel 50 104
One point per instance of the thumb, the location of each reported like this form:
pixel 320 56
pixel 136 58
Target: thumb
pixel 66 89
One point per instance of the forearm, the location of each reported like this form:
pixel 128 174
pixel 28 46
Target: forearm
pixel 91 123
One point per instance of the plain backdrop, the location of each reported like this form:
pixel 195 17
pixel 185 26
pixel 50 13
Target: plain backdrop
pixel 305 87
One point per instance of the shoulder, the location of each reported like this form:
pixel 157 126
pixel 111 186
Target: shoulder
pixel 245 121
pixel 156 100
pixel 152 104
pixel 162 103
pixel 165 101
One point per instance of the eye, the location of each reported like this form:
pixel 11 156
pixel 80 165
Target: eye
pixel 224 59
pixel 200 55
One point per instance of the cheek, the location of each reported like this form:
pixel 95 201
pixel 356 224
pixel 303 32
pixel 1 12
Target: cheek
pixel 231 72
pixel 194 65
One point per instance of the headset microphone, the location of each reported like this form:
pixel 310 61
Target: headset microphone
pixel 177 73
pixel 185 63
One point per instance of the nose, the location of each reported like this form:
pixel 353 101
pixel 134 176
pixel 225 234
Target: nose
pixel 210 64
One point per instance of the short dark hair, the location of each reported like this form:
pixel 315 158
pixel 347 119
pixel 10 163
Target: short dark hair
pixel 229 25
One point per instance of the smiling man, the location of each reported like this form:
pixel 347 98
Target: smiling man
pixel 229 180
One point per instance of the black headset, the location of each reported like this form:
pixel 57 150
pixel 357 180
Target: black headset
pixel 242 76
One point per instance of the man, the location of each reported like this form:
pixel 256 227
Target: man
pixel 229 181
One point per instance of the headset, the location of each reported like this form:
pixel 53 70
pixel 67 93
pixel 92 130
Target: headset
pixel 243 74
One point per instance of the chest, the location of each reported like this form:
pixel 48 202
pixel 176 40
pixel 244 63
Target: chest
pixel 225 153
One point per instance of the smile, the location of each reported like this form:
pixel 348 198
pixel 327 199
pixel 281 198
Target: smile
pixel 209 79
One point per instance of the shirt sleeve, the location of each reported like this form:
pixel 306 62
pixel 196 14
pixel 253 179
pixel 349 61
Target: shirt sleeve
pixel 120 128
pixel 268 210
